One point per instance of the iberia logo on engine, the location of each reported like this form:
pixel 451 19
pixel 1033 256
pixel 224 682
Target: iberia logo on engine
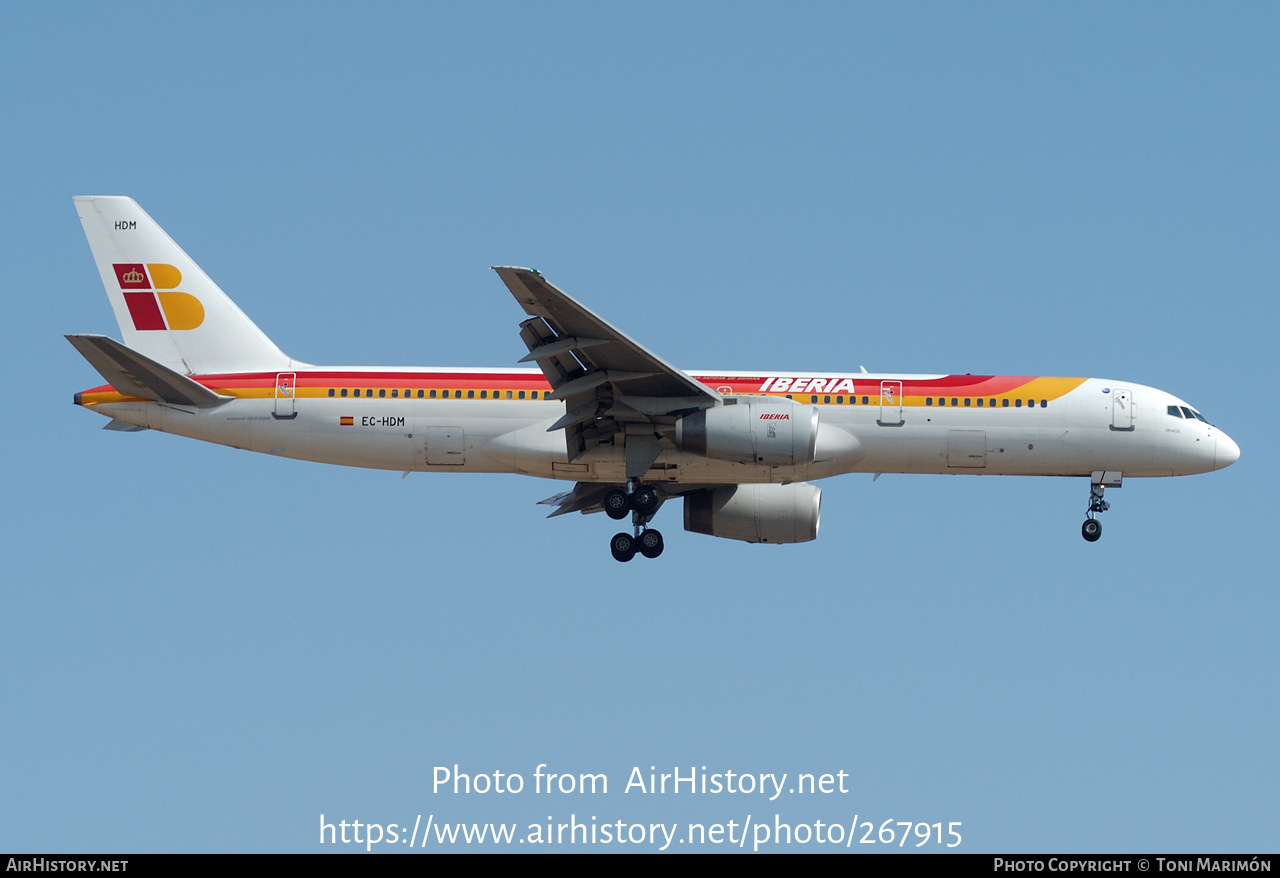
pixel 152 301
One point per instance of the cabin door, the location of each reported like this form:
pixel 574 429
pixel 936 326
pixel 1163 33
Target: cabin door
pixel 1121 409
pixel 286 391
pixel 890 404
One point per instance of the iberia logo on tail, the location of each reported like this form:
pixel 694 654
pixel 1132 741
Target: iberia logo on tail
pixel 153 302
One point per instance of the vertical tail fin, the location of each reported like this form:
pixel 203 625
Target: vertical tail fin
pixel 168 309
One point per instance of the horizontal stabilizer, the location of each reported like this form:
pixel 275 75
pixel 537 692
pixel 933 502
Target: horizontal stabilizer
pixel 132 374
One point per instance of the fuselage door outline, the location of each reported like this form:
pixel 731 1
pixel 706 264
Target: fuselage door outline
pixel 890 404
pixel 1122 410
pixel 286 395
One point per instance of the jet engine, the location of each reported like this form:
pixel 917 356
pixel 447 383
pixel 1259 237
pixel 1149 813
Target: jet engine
pixel 755 513
pixel 767 430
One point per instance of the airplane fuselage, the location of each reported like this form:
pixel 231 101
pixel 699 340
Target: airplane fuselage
pixel 496 421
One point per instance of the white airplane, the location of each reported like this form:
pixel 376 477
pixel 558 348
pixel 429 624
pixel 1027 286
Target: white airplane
pixel 629 429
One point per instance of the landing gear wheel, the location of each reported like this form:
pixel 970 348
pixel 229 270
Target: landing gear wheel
pixel 617 504
pixel 1091 530
pixel 651 544
pixel 645 500
pixel 623 547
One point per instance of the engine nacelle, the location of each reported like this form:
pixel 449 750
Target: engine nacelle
pixel 767 430
pixel 755 513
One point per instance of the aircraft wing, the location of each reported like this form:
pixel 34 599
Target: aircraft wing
pixel 606 379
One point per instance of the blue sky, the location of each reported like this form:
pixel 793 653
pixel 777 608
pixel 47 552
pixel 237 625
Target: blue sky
pixel 205 650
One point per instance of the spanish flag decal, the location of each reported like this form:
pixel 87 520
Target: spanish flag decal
pixel 346 422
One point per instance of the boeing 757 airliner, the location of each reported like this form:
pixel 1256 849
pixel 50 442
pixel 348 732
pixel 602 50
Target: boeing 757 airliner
pixel 630 430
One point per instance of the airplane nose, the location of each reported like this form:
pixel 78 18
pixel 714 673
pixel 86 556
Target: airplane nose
pixel 1226 452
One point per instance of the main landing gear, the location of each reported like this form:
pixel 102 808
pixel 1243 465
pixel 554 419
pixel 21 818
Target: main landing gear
pixel 1091 530
pixel 642 501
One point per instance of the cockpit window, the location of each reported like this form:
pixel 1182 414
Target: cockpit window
pixel 1189 413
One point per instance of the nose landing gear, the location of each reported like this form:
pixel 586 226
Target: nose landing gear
pixel 642 501
pixel 1091 530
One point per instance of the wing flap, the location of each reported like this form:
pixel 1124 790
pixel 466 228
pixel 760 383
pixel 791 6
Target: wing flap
pixel 585 497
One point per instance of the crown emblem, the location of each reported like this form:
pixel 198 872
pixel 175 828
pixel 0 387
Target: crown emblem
pixel 133 276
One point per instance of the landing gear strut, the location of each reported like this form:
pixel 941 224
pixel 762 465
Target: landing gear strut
pixel 642 501
pixel 1091 530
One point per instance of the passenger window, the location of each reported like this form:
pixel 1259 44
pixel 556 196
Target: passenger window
pixel 955 400
pixel 839 400
pixel 1017 403
pixel 331 391
pixel 420 393
pixel 508 394
pixel 534 395
pixel 522 394
pixel 394 393
pixel 865 400
pixel 928 400
pixel 993 403
pixel 344 391
pixel 382 392
pixel 433 394
pixel 1004 403
pixel 471 394
pixel 484 394
pixel 813 398
pixel 979 402
pixel 1044 403
pixel 967 401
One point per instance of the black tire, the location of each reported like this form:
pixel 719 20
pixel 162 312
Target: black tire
pixel 623 547
pixel 616 504
pixel 646 500
pixel 1091 530
pixel 651 545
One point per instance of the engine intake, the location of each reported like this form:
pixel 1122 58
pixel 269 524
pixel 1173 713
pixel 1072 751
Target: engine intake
pixel 767 430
